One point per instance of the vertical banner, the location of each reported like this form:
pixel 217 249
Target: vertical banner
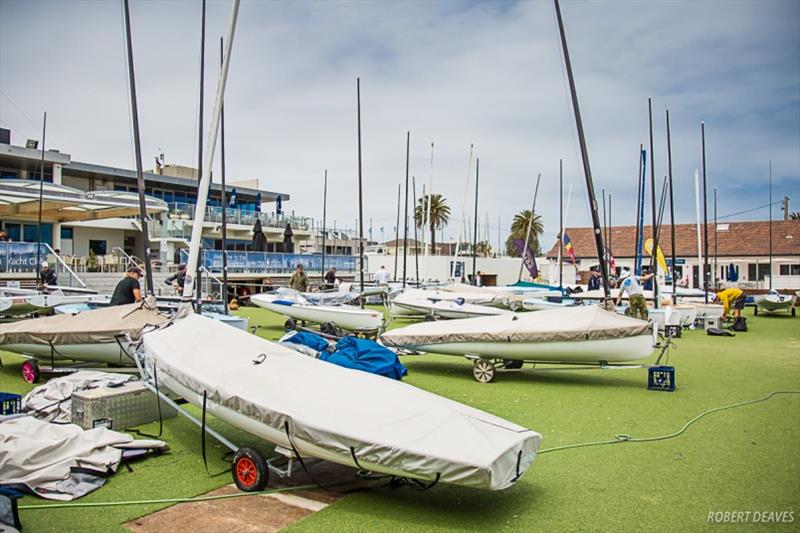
pixel 527 258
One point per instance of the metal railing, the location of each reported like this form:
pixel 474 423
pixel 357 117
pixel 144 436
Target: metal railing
pixel 130 260
pixel 273 263
pixel 184 211
pixel 20 257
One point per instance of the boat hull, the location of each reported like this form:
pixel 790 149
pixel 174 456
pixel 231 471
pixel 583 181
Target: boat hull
pixel 775 303
pixel 108 353
pixel 350 319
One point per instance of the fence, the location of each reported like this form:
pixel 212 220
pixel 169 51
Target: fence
pixel 272 262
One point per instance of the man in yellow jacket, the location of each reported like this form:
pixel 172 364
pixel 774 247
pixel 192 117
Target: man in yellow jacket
pixel 731 298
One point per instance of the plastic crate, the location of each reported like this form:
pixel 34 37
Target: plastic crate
pixel 661 378
pixel 10 404
pixel 673 331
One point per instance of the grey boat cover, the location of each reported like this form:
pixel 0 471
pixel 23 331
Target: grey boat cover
pixel 552 325
pixel 89 327
pixel 61 461
pixel 339 412
pixel 52 401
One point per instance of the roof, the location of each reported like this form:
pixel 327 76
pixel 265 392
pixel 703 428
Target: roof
pixel 19 200
pixel 734 239
pixel 89 170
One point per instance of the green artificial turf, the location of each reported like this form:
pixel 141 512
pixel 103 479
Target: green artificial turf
pixel 745 459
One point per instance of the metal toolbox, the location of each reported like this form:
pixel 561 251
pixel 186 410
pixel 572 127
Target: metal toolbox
pixel 128 405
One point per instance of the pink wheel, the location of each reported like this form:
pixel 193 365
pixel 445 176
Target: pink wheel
pixel 30 371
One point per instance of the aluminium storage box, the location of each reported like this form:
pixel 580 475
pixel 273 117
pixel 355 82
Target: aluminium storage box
pixel 128 405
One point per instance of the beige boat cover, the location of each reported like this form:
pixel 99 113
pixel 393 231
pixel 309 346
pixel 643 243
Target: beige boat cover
pixel 579 323
pixel 89 327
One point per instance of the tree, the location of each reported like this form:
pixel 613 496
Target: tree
pixel 519 229
pixel 440 215
pixel 794 216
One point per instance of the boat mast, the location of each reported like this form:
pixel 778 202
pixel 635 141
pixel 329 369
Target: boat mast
pixel 463 210
pixel 397 234
pixel 416 237
pixel 671 214
pixel 405 212
pixel 41 200
pixel 428 207
pixel 638 208
pixel 360 199
pixel 224 196
pixel 714 278
pixel 530 224
pixel 202 197
pixel 700 277
pixel 705 213
pixel 137 146
pixel 598 236
pixel 605 226
pixel 654 253
pixel 608 235
pixel 561 223
pixel 475 224
pixel 200 138
pixel 324 219
pixel 770 224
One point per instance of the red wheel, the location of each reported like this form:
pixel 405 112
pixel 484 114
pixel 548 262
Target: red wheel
pixel 30 371
pixel 250 472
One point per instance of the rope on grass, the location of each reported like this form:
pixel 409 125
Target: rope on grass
pixel 622 437
pixel 166 500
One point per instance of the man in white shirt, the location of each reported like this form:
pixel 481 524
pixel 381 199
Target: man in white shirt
pixel 637 307
pixel 381 277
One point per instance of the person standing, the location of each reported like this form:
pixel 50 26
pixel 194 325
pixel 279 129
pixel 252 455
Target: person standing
pixel 637 307
pixel 48 275
pixel 178 279
pixel 731 298
pixel 128 290
pixel 594 279
pixel 330 278
pixel 381 277
pixel 299 280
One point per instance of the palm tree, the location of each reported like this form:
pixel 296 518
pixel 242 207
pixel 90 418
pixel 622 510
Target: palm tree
pixel 440 215
pixel 794 216
pixel 519 229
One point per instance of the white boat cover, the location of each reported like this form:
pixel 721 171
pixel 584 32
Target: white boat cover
pixel 580 323
pixel 52 401
pixel 388 425
pixel 445 308
pixel 61 461
pixel 103 325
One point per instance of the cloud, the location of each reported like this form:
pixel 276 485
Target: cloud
pixel 452 72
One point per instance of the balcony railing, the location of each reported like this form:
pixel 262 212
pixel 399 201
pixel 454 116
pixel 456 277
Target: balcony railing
pixel 239 216
pixel 273 263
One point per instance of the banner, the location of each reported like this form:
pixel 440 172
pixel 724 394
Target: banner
pixel 261 262
pixel 527 258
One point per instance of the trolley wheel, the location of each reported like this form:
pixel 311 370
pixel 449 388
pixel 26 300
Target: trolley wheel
pixel 429 318
pixel 483 370
pixel 30 371
pixel 330 328
pixel 250 471
pixel 512 364
pixel 755 311
pixel 290 325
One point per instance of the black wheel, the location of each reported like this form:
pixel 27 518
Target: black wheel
pixel 250 471
pixel 430 318
pixel 30 371
pixel 512 365
pixel 330 328
pixel 483 370
pixel 755 311
pixel 290 325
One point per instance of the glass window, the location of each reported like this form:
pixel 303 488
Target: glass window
pixel 13 231
pixel 98 247
pixel 67 233
pixel 790 270
pixel 757 271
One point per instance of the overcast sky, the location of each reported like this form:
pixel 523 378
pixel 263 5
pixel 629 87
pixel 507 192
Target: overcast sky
pixel 455 73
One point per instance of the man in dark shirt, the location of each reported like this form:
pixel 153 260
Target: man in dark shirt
pixel 177 279
pixel 48 275
pixel 330 278
pixel 594 279
pixel 128 290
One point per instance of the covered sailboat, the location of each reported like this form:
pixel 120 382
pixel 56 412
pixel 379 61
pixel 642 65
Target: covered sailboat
pixel 296 307
pixel 411 304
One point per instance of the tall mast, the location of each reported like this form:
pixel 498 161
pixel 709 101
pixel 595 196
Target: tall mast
pixel 360 200
pixel 137 146
pixel 324 218
pixel 224 196
pixel 397 234
pixel 405 212
pixel 463 206
pixel 416 237
pixel 605 224
pixel 608 235
pixel 428 207
pixel 598 236
pixel 41 199
pixel 671 214
pixel 561 223
pixel 770 222
pixel 475 227
pixel 714 278
pixel 200 136
pixel 700 276
pixel 654 254
pixel 205 180
pixel 638 207
pixel 705 213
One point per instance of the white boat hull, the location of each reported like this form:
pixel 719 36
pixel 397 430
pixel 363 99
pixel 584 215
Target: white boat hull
pixel 775 303
pixel 107 353
pixel 352 319
pixel 443 309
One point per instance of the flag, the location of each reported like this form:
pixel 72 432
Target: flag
pixel 278 205
pixel 527 258
pixel 610 260
pixel 569 248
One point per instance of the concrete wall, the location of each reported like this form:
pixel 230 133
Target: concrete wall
pixel 82 235
pixel 438 267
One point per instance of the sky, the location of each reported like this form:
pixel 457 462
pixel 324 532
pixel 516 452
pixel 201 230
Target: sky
pixel 488 74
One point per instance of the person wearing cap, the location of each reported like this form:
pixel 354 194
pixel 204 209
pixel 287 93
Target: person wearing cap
pixel 128 290
pixel 629 284
pixel 48 275
pixel 299 280
pixel 178 279
pixel 731 298
pixel 594 279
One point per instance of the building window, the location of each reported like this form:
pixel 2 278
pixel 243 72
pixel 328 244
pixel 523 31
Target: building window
pixel 757 271
pixel 67 233
pixel 98 247
pixel 29 233
pixel 790 270
pixel 13 231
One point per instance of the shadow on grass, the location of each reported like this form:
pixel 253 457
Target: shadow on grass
pixel 589 376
